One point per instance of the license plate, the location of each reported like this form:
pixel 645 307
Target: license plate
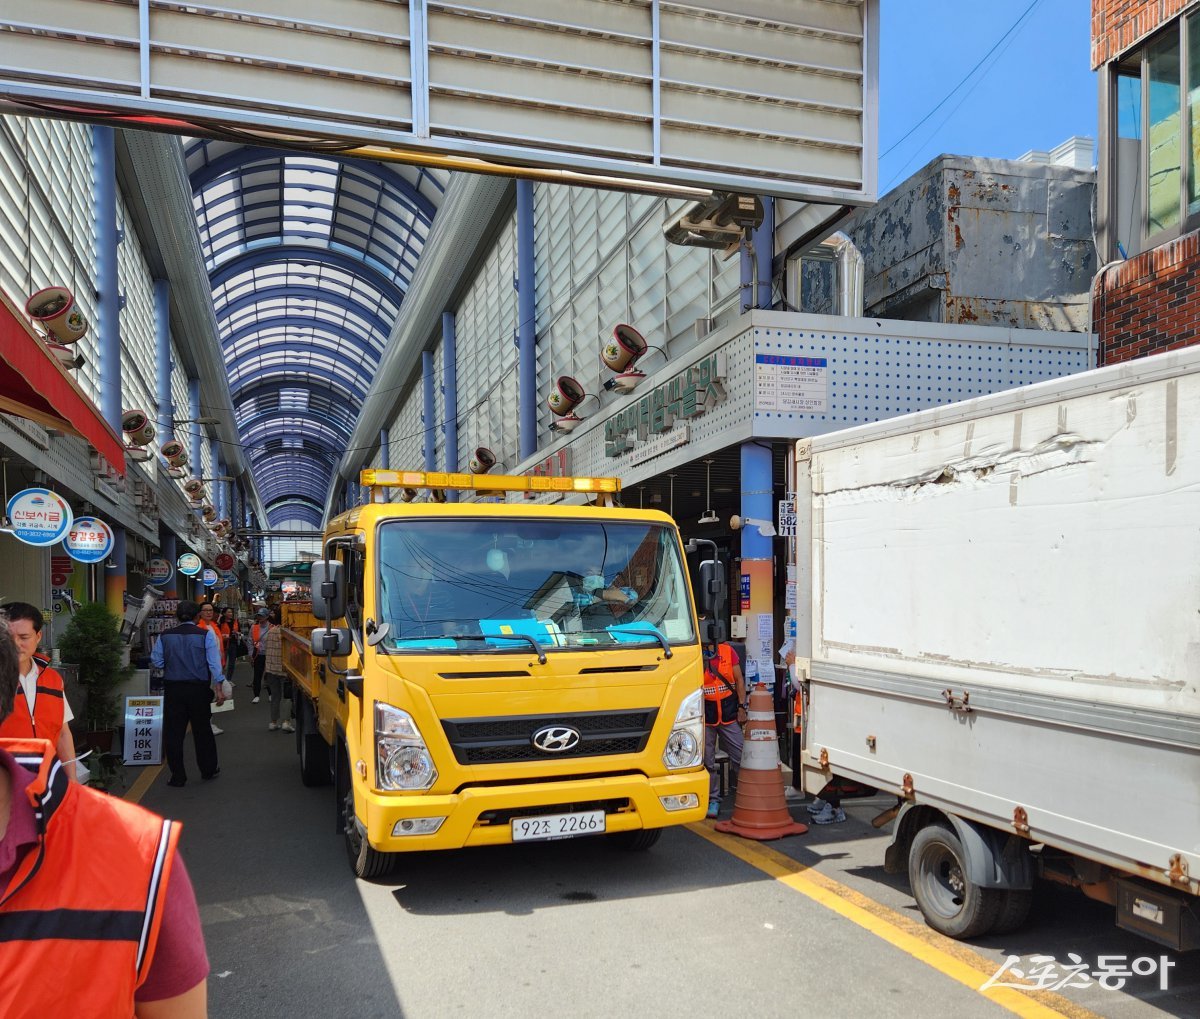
pixel 557 826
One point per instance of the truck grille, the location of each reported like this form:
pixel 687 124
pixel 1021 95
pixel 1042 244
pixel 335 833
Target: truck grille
pixel 510 739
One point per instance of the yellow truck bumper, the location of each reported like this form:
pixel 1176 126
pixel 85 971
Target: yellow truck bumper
pixel 481 816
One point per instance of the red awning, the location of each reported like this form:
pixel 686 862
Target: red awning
pixel 34 385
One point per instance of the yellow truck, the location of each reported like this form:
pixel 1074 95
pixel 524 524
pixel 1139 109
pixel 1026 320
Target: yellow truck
pixel 488 672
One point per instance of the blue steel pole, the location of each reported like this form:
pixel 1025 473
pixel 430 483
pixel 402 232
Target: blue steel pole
pixel 757 577
pixel 108 285
pixel 746 268
pixel 194 429
pixel 385 451
pixel 450 393
pixel 764 252
pixel 107 282
pixel 162 356
pixel 430 424
pixel 526 335
pixel 450 388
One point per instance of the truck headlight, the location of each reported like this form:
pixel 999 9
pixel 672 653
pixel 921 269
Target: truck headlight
pixel 402 760
pixel 685 745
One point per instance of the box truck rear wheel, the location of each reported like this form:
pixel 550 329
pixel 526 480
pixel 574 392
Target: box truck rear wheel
pixel 364 861
pixel 950 902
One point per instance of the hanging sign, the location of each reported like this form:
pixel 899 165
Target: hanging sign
pixel 89 540
pixel 143 730
pixel 159 571
pixel 39 516
pixel 210 578
pixel 189 564
pixel 225 562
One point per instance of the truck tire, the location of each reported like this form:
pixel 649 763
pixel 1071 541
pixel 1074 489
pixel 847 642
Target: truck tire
pixel 950 902
pixel 635 841
pixel 364 861
pixel 1015 904
pixel 313 750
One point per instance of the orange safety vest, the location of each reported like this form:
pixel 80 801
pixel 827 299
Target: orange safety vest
pixel 81 914
pixel 49 708
pixel 220 637
pixel 721 703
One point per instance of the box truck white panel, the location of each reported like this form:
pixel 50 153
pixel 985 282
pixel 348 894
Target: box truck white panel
pixel 1004 613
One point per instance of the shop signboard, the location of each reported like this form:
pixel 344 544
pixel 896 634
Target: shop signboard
pixel 225 561
pixel 159 571
pixel 189 564
pixel 692 392
pixel 39 516
pixel 210 578
pixel 89 540
pixel 143 730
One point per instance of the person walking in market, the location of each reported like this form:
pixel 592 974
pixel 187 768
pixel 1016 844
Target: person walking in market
pixel 98 909
pixel 206 619
pixel 258 659
pixel 43 712
pixel 279 686
pixel 724 710
pixel 230 632
pixel 190 660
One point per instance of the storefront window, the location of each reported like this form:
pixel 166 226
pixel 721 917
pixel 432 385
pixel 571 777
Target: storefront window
pixel 1165 152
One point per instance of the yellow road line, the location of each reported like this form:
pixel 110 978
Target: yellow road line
pixel 143 782
pixel 947 956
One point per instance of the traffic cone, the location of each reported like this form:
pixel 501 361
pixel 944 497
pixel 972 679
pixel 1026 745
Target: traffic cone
pixel 760 810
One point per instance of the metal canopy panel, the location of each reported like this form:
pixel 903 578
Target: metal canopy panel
pixel 770 96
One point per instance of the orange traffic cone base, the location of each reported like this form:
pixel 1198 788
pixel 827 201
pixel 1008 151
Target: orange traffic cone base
pixel 760 809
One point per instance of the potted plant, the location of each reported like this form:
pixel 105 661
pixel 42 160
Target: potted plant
pixel 92 641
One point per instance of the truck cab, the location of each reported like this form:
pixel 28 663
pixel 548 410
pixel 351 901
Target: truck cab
pixel 496 672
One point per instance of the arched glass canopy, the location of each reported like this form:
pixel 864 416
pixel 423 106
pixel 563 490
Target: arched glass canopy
pixel 309 258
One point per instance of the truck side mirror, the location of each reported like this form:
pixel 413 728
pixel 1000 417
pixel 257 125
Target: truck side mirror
pixel 712 587
pixel 328 589
pixel 713 631
pixel 334 641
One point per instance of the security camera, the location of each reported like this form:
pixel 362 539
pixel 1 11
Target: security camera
pixel 718 221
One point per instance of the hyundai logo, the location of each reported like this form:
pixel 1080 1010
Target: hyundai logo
pixel 556 739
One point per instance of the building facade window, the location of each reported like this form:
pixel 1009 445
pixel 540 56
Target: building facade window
pixel 1153 140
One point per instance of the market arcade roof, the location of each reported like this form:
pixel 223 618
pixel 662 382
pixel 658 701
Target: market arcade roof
pixel 309 258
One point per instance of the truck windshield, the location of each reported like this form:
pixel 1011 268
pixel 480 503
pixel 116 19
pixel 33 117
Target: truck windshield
pixel 475 585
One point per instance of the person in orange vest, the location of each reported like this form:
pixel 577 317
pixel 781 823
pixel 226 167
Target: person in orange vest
pixel 98 910
pixel 44 712
pixel 207 620
pixel 724 711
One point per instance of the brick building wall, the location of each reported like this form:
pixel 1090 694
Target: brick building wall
pixel 1118 24
pixel 1150 303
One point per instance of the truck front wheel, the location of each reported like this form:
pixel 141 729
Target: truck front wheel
pixel 364 861
pixel 950 902
pixel 635 841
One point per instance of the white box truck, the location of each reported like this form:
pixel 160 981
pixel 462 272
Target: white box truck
pixel 999 622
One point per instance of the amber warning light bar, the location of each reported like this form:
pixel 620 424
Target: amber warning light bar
pixel 441 480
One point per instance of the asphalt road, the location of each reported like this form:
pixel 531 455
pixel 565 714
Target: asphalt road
pixel 701 925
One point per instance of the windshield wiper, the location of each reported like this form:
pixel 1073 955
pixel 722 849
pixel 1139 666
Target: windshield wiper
pixel 652 632
pixel 499 636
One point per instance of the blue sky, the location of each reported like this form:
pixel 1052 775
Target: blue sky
pixel 1035 91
